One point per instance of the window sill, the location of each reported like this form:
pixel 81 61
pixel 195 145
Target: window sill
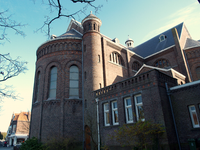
pixel 108 126
pixel 194 129
pixel 52 99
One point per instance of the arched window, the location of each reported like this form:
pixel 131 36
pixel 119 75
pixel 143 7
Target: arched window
pixel 162 63
pixel 89 26
pixel 198 73
pixel 53 82
pixel 74 82
pixel 136 65
pixel 37 87
pixel 116 58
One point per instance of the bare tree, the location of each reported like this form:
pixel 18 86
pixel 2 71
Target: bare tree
pixel 10 68
pixel 56 5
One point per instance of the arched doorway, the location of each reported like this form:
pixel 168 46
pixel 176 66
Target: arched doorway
pixel 87 138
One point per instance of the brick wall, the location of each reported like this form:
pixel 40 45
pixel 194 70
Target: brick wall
pixel 181 99
pixel 155 103
pixel 49 114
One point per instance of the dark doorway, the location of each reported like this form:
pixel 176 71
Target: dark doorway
pixel 87 138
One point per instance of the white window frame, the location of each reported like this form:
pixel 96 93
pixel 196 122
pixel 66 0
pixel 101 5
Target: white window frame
pixel 114 110
pixel 71 80
pixel 127 107
pixel 137 105
pixel 14 129
pixel 193 111
pixel 106 111
pixel 51 96
pixel 37 86
pixel 162 37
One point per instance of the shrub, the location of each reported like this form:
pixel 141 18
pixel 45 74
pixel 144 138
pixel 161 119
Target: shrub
pixel 31 144
pixel 62 144
pixel 140 134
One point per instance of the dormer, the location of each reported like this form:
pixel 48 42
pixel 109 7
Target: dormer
pixel 116 40
pixel 162 37
pixel 53 36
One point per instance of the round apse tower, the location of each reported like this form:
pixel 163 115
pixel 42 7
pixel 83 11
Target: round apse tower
pixel 57 97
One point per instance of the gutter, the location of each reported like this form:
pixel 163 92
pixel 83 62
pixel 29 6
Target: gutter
pixel 83 102
pixel 97 101
pixel 174 121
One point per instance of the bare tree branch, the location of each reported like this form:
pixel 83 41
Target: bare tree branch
pixel 10 68
pixel 57 5
pixel 7 23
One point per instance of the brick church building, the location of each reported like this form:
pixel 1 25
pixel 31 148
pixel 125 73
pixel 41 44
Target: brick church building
pixel 88 85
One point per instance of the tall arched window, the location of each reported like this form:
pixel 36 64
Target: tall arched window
pixel 198 73
pixel 53 82
pixel 116 58
pixel 162 63
pixel 74 82
pixel 37 87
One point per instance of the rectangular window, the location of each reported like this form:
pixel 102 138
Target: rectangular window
pixel 193 115
pixel 128 110
pixel 106 114
pixel 115 113
pixel 14 129
pixel 139 107
pixel 84 47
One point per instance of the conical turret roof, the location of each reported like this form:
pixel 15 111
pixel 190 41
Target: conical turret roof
pixel 90 17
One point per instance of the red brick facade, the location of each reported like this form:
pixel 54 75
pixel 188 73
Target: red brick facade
pixel 109 69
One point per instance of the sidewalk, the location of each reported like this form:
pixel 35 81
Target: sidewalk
pixel 6 148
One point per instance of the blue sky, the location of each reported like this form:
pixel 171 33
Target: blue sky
pixel 141 20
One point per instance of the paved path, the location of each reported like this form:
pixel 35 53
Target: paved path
pixel 6 148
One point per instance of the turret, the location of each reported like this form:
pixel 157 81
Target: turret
pixel 92 69
pixel 91 23
pixel 129 43
pixel 92 53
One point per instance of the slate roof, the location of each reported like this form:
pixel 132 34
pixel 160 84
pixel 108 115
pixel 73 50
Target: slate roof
pixel 23 116
pixel 70 34
pixel 154 45
pixel 191 43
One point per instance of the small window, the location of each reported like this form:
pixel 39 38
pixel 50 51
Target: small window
pixel 162 63
pixel 89 26
pixel 106 114
pixel 115 113
pixel 193 115
pixel 100 85
pixel 37 87
pixel 198 73
pixel 99 59
pixel 84 48
pixel 14 129
pixel 139 108
pixel 128 110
